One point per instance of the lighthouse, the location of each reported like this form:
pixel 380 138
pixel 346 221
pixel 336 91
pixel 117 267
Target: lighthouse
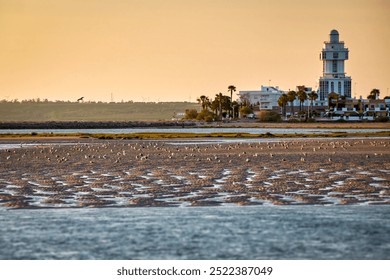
pixel 333 79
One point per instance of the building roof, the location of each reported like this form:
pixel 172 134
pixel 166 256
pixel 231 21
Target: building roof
pixel 334 36
pixel 334 32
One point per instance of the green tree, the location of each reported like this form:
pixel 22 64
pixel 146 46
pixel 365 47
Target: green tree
pixel 206 115
pixel 360 108
pixel 374 94
pixel 291 96
pixel 235 108
pixel 268 116
pixel 342 100
pixel 312 96
pixel 331 97
pixel 244 111
pixel 226 103
pixel 191 114
pixel 244 98
pixel 282 102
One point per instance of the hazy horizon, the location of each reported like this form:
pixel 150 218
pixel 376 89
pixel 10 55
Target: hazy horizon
pixel 177 50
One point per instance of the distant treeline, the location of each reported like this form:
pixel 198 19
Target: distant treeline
pixel 37 110
pixel 38 100
pixel 93 125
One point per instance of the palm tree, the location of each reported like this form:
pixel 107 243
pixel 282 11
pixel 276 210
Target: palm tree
pixel 312 96
pixel 204 101
pixel 282 102
pixel 214 106
pixel 231 89
pixel 219 100
pixel 291 95
pixel 374 94
pixel 302 96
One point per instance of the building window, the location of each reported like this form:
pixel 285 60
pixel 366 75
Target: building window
pixel 264 97
pixel 347 88
pixel 324 89
pixel 331 86
pixel 334 66
pixel 335 55
pixel 339 87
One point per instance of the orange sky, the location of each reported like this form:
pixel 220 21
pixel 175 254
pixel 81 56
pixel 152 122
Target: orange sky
pixel 177 50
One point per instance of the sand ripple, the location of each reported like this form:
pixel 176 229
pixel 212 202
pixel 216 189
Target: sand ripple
pixel 161 174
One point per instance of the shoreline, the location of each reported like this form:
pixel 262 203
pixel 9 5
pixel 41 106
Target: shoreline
pixel 189 123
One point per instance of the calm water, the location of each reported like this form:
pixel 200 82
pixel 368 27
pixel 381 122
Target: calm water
pixel 261 232
pixel 193 130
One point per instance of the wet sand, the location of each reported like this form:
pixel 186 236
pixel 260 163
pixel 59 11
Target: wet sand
pixel 130 173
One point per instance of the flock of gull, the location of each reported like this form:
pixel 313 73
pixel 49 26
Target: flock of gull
pixel 142 173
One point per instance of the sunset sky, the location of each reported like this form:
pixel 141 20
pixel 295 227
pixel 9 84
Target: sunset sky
pixel 177 50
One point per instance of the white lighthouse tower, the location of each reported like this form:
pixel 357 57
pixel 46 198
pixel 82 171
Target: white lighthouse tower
pixel 333 77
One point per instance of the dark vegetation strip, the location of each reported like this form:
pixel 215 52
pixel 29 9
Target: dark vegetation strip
pixel 195 135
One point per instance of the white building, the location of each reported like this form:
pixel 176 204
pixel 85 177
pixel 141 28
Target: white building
pixel 265 99
pixel 333 77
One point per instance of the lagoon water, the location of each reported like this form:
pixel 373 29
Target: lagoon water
pixel 193 130
pixel 252 232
